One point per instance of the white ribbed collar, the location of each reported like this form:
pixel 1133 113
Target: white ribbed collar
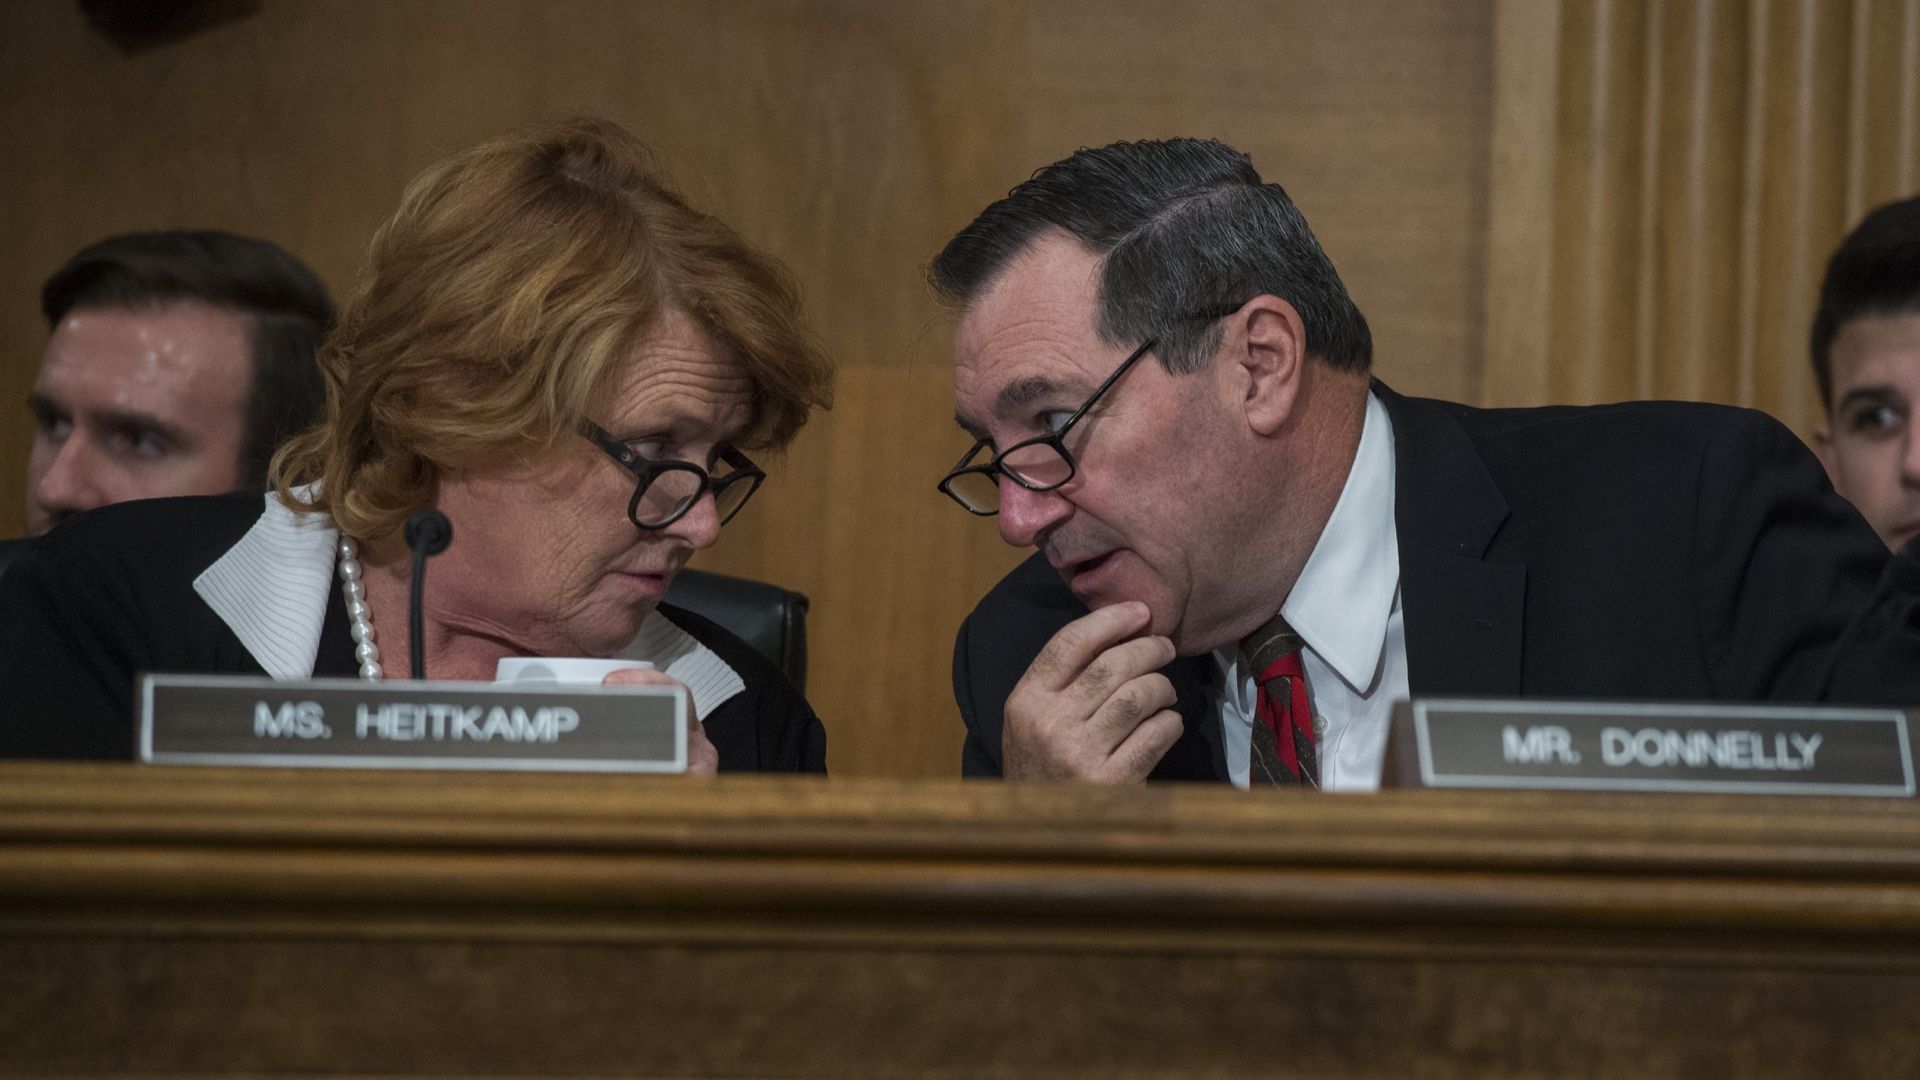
pixel 272 588
pixel 678 653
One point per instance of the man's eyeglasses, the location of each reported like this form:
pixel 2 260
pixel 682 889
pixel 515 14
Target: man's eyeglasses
pixel 668 488
pixel 1042 463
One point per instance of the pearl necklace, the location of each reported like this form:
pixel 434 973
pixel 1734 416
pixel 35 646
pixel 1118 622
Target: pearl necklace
pixel 354 591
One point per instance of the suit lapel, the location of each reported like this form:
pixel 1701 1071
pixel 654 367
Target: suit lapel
pixel 1463 613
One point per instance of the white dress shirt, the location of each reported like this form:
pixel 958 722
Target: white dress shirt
pixel 272 590
pixel 1346 608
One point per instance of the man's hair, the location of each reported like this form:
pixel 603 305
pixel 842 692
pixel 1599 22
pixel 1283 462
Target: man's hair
pixel 501 304
pixel 1875 271
pixel 1187 230
pixel 285 304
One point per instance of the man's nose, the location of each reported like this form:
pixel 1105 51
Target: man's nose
pixel 73 480
pixel 1025 515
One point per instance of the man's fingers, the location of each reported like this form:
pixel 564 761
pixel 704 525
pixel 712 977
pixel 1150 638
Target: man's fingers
pixel 1133 702
pixel 1084 697
pixel 1117 666
pixel 1135 758
pixel 1078 642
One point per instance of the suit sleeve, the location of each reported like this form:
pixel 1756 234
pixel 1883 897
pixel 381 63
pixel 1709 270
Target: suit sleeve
pixel 1785 570
pixel 69 644
pixel 769 727
pixel 980 755
pixel 1878 661
pixel 806 735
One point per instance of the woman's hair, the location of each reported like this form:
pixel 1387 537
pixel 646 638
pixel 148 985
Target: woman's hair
pixel 498 304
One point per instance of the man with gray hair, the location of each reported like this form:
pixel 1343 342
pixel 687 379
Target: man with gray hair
pixel 1248 550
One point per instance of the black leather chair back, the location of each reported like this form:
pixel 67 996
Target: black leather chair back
pixel 767 617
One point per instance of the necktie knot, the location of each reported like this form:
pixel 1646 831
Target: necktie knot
pixel 1283 746
pixel 1273 650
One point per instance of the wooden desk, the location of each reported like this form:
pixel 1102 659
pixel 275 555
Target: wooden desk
pixel 163 922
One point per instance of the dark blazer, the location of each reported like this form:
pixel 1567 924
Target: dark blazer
pixel 109 594
pixel 1648 550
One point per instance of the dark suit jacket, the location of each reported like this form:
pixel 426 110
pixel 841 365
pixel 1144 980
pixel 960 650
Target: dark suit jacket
pixel 109 594
pixel 1649 550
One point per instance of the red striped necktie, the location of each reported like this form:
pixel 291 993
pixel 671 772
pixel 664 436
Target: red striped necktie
pixel 1284 750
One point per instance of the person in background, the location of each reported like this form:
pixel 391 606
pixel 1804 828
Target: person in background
pixel 1866 357
pixel 551 348
pixel 179 361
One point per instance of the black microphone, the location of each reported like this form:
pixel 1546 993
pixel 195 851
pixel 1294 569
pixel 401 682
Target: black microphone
pixel 428 533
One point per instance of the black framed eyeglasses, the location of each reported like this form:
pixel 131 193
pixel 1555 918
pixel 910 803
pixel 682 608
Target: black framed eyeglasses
pixel 667 488
pixel 1042 463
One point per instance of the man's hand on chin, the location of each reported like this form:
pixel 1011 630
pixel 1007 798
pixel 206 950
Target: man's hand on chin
pixel 1093 705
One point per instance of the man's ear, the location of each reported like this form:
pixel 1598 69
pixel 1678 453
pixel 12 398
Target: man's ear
pixel 1267 345
pixel 1823 449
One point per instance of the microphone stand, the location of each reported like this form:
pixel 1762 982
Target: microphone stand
pixel 428 533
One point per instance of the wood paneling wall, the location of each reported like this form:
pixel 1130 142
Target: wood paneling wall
pixel 851 137
pixel 1668 181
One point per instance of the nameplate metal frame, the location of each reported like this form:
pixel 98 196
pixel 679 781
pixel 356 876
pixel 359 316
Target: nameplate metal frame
pixel 355 724
pixel 1650 746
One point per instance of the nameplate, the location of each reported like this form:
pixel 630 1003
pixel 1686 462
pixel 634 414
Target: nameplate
pixel 350 723
pixel 1594 746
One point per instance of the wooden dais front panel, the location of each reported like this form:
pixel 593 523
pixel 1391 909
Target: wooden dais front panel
pixel 160 922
